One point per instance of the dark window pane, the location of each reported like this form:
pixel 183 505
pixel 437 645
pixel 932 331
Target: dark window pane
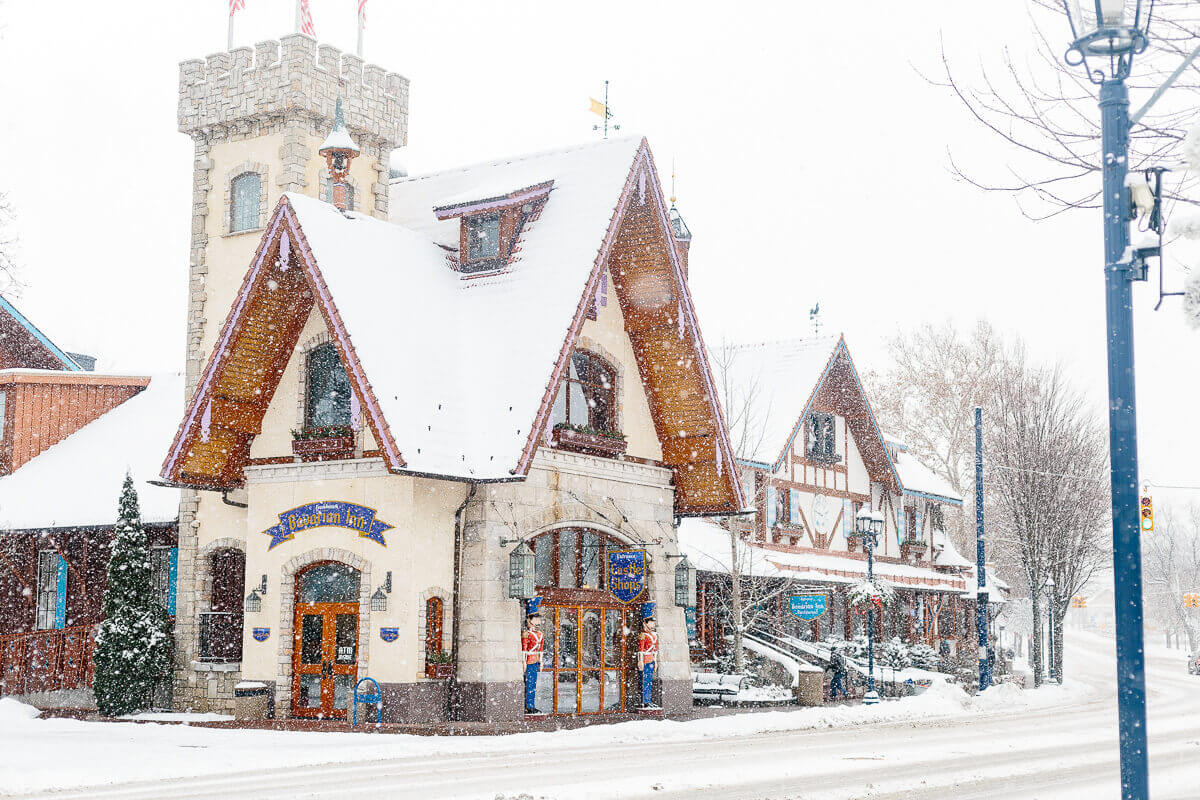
pixel 591 560
pixel 345 638
pixel 328 401
pixel 568 552
pixel 310 639
pixel 483 237
pixel 543 559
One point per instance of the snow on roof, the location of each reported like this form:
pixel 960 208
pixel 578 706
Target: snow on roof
pixel 997 589
pixel 783 375
pixel 77 481
pixel 706 545
pixel 916 478
pixel 945 553
pixel 460 366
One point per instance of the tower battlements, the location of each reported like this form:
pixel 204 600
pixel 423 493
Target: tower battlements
pixel 292 77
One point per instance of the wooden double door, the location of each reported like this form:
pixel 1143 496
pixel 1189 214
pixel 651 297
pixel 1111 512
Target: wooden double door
pixel 324 659
pixel 587 660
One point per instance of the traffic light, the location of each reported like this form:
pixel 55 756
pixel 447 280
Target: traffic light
pixel 1078 602
pixel 1147 514
pixel 1191 600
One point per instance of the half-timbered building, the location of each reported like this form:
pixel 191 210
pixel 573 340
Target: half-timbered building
pixel 811 456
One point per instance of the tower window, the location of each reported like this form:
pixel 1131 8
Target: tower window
pixel 328 400
pixel 245 202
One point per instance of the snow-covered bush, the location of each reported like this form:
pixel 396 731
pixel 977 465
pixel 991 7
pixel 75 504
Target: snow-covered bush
pixel 133 647
pixel 894 654
pixel 922 656
pixel 863 593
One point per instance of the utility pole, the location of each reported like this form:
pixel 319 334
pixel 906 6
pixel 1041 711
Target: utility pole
pixel 981 592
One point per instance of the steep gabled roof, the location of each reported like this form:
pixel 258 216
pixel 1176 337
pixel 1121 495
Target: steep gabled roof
pixel 455 376
pixel 26 346
pixel 817 372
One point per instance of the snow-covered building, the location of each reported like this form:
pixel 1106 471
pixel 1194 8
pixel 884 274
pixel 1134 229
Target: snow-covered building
pixel 811 455
pixel 67 439
pixel 474 362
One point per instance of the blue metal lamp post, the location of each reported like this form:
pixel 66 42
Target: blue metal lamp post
pixel 1107 35
pixel 981 595
pixel 869 524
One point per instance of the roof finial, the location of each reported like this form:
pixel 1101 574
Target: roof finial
pixel 672 181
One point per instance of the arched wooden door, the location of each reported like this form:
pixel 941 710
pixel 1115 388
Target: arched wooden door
pixel 325 641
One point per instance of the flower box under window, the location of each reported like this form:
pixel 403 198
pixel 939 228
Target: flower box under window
pixel 323 443
pixel 438 665
pixel 591 442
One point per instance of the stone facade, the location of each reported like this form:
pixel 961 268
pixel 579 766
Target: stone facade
pixel 264 109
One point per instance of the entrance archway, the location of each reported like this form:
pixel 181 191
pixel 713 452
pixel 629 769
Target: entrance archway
pixel 325 646
pixel 591 638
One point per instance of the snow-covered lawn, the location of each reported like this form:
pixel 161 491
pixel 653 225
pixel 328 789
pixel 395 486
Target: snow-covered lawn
pixel 66 753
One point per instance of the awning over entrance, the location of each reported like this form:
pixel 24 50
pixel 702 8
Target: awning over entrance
pixel 707 546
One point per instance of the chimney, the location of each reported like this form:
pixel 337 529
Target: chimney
pixel 683 237
pixel 339 150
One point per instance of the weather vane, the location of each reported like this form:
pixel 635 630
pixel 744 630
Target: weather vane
pixel 814 316
pixel 603 111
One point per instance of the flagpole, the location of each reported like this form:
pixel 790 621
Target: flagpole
pixel 299 23
pixel 361 15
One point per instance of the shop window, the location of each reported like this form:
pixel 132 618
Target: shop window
pixel 587 397
pixel 822 438
pixel 245 202
pixel 328 389
pixel 433 628
pixel 221 626
pixel 572 558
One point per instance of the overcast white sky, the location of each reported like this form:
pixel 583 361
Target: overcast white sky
pixel 811 157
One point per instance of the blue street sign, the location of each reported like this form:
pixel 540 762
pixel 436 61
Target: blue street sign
pixel 807 606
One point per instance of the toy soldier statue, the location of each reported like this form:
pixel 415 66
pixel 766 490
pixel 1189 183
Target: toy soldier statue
pixel 532 641
pixel 647 657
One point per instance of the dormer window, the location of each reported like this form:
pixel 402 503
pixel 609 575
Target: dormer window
pixel 482 234
pixel 822 438
pixel 328 401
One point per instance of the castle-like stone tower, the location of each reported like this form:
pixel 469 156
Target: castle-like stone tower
pixel 264 112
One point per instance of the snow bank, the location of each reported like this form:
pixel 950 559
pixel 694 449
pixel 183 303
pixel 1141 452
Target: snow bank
pixel 13 710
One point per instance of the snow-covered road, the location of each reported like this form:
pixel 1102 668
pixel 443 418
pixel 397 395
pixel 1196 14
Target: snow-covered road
pixel 1062 747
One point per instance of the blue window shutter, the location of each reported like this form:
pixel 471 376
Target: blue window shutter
pixel 60 599
pixel 794 506
pixel 847 522
pixel 900 524
pixel 920 529
pixel 772 506
pixel 172 573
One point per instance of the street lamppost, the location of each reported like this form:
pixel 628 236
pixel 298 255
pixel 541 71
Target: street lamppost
pixel 1050 630
pixel 868 525
pixel 1107 35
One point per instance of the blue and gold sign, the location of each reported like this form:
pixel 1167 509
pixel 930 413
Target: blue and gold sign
pixel 807 606
pixel 389 634
pixel 260 634
pixel 626 574
pixel 328 513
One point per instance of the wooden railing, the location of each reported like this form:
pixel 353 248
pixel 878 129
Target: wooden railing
pixel 44 661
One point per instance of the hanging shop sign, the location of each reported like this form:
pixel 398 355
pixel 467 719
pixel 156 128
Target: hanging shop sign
pixel 260 634
pixel 807 606
pixel 627 574
pixel 689 617
pixel 389 634
pixel 331 514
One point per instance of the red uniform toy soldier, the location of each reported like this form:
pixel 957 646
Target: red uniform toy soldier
pixel 647 652
pixel 532 642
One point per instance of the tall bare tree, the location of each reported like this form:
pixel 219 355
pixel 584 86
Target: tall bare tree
pixel 1048 483
pixel 937 376
pixel 744 400
pixel 1044 112
pixel 1171 558
pixel 8 245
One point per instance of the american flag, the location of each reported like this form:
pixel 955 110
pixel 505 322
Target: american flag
pixel 362 13
pixel 306 23
pixel 235 6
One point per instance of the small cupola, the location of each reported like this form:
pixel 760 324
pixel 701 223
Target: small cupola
pixel 490 223
pixel 339 150
pixel 682 236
